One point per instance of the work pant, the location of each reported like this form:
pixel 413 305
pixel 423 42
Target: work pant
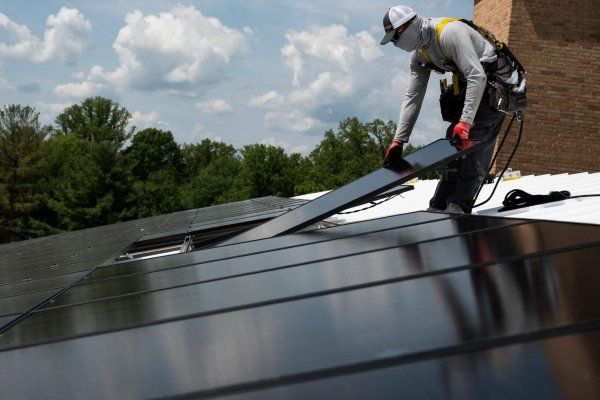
pixel 461 181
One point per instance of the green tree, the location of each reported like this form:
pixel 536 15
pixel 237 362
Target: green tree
pixel 303 167
pixel 93 185
pixel 347 155
pixel 96 119
pixel 158 194
pixel 198 156
pixel 156 164
pixel 153 150
pixel 383 134
pixel 79 197
pixel 211 168
pixel 265 171
pixel 21 196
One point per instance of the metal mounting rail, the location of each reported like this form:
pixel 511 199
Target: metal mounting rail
pixel 434 155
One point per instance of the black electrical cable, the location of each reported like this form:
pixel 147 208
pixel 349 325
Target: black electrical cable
pixel 518 198
pixel 521 118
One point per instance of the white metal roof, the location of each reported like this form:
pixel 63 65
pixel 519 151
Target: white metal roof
pixel 584 210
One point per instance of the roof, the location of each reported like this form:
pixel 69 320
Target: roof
pixel 584 210
pixel 428 305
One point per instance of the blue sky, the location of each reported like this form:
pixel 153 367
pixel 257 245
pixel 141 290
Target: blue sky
pixel 242 72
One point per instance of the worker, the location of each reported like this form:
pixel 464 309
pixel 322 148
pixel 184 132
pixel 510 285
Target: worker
pixel 461 50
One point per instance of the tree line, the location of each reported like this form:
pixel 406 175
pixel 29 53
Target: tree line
pixel 90 168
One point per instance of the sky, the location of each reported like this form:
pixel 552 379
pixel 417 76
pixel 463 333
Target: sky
pixel 276 72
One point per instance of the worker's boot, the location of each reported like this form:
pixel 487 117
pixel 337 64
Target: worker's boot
pixel 453 209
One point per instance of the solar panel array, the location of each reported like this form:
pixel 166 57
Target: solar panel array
pixel 36 271
pixel 421 305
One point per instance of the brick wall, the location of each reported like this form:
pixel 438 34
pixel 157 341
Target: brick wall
pixel 558 42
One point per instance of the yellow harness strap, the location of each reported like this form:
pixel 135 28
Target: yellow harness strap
pixel 441 25
pixel 438 32
pixel 425 55
pixel 455 84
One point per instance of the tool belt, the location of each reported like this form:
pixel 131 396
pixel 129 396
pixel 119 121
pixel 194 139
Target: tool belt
pixel 506 85
pixel 506 90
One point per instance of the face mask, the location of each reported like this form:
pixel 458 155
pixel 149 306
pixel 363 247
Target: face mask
pixel 411 39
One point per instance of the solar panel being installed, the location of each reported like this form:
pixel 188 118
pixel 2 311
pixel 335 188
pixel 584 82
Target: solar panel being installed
pixel 436 154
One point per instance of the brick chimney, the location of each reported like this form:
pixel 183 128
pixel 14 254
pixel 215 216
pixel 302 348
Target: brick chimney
pixel 558 43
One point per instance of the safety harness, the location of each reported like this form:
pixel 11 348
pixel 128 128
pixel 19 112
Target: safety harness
pixel 509 102
pixel 430 63
pixel 498 45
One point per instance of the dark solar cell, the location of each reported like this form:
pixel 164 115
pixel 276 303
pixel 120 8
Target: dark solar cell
pixel 443 294
pixel 22 303
pixel 6 320
pixel 59 254
pixel 517 241
pixel 530 370
pixel 285 258
pixel 114 270
pixel 74 269
pixel 36 285
pixel 406 321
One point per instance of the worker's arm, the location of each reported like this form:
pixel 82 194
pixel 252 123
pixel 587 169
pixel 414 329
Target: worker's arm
pixel 415 92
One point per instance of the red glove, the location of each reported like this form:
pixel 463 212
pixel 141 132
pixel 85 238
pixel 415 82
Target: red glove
pixel 393 153
pixel 461 132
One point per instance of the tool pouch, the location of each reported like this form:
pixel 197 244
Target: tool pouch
pixel 506 85
pixel 451 104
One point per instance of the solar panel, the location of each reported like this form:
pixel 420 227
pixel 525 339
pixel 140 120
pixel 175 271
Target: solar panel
pixel 358 247
pixel 246 284
pixel 34 271
pixel 112 270
pixel 530 370
pixel 429 157
pixel 319 336
pixel 22 303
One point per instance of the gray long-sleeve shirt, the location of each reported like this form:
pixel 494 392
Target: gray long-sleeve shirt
pixel 467 49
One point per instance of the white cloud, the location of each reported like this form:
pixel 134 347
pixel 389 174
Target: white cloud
pixel 215 107
pixel 292 121
pixel 271 99
pixel 176 51
pixel 65 41
pixel 49 111
pixel 428 130
pixel 149 120
pixel 333 72
pixel 337 74
pixel 82 89
pixel 328 48
pixel 144 119
pixel 52 107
